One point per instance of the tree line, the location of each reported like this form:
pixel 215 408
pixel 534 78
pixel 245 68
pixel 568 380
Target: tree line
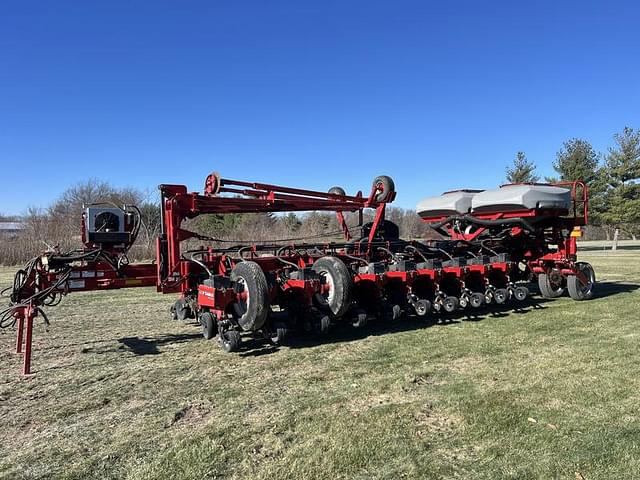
pixel 613 179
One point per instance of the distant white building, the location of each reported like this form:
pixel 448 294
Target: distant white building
pixel 10 229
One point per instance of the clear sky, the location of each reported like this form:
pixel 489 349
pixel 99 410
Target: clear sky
pixel 439 95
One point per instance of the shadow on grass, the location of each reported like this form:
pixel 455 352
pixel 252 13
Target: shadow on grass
pixel 256 346
pixel 608 289
pixel 343 332
pixel 149 346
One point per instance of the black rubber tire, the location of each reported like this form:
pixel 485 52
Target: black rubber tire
pixel 251 315
pixel 476 299
pixel 387 230
pixel 230 341
pixel 501 295
pixel 388 188
pixel 520 293
pixel 339 300
pixel 450 304
pixel 337 191
pixel 209 325
pixel 279 333
pixel 182 311
pixel 360 319
pixel 422 307
pixel 547 289
pixel 324 325
pixel 577 290
pixel 463 301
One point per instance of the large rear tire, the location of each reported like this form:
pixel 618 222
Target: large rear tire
pixel 251 312
pixel 578 290
pixel 335 274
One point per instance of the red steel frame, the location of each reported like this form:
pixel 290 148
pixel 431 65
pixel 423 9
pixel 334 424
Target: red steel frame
pixel 170 272
pixel 565 256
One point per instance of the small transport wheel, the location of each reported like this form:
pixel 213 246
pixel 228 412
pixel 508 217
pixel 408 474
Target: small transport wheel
pixel 279 333
pixel 230 341
pixel 582 289
pixel 337 191
pixel 476 300
pixel 209 325
pixel 387 186
pixel 501 295
pixel 337 281
pixel 450 304
pixel 550 288
pixel 521 293
pixel 252 309
pixel 422 307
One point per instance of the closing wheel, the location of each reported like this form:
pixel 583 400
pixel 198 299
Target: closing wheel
pixel 337 191
pixel 450 304
pixel 209 325
pixel 476 300
pixel 337 285
pixel 252 307
pixel 464 301
pixel 551 286
pixel 230 341
pixel 360 319
pixel 582 288
pixel 521 293
pixel 422 307
pixel 324 324
pixel 279 333
pixel 386 188
pixel 501 295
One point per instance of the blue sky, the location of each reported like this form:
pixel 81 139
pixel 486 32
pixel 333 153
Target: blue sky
pixel 439 95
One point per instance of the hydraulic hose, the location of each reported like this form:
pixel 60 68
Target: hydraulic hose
pixel 484 223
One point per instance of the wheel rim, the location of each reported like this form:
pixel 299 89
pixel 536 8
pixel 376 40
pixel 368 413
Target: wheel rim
pixel 476 300
pixel 242 304
pixel 449 305
pixel 587 271
pixel 328 295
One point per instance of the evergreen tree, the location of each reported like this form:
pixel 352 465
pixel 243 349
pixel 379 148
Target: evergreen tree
pixel 576 160
pixel 623 173
pixel 522 170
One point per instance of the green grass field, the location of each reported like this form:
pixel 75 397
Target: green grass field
pixel 121 391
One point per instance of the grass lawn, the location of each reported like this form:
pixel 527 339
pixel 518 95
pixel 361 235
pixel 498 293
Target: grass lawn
pixel 121 391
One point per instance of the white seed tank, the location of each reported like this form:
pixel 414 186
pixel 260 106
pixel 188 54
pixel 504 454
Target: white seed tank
pixel 503 199
pixel 450 203
pixel 521 197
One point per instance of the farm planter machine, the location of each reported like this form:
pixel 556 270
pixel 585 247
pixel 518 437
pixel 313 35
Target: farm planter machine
pixel 493 244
